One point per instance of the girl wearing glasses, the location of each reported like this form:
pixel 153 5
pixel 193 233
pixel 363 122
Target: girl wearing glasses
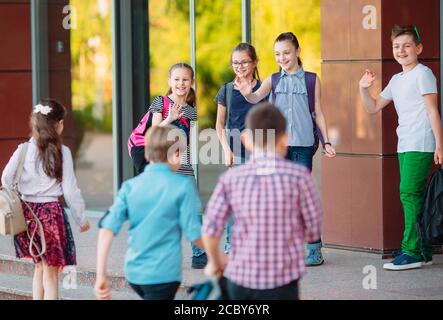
pixel 233 107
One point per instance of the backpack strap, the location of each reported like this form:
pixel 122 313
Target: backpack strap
pixel 21 164
pixel 275 79
pixel 166 104
pixel 311 80
pixel 228 97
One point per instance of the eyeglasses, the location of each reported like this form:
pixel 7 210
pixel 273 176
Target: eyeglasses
pixel 409 28
pixel 244 64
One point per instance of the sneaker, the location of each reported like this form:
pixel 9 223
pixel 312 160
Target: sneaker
pixel 397 253
pixel 199 262
pixel 403 262
pixel 426 261
pixel 314 257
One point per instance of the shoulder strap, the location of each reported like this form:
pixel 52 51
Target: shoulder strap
pixel 311 79
pixel 229 90
pixel 21 164
pixel 166 104
pixel 275 79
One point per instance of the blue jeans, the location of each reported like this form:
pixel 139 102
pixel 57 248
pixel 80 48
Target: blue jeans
pixel 301 155
pixel 196 251
pixel 164 291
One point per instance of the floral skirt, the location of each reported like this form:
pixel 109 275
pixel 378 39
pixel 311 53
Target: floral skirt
pixel 60 247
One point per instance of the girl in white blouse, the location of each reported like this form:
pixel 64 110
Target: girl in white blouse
pixel 48 174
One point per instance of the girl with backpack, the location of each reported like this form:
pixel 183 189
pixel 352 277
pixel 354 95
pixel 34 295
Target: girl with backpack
pixel 232 108
pixel 178 108
pixel 296 94
pixel 48 174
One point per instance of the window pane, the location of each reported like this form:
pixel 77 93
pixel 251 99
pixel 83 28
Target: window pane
pixel 168 40
pixel 270 18
pixel 218 24
pixel 91 72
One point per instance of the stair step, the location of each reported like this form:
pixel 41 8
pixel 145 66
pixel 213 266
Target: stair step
pixel 24 269
pixel 20 287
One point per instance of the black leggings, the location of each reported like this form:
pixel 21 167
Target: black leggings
pixel 286 292
pixel 164 291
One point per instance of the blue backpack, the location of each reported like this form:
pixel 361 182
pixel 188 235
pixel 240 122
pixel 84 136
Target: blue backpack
pixel 310 79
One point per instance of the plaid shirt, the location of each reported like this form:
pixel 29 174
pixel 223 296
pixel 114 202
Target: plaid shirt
pixel 275 209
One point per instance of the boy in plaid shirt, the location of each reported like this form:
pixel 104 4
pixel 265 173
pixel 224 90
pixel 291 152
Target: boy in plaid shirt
pixel 276 209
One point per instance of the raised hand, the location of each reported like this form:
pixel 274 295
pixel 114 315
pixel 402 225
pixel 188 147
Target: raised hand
pixel 244 85
pixel 175 112
pixel 367 80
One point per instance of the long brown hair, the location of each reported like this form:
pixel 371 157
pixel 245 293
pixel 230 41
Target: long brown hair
pixel 47 139
pixel 250 50
pixel 191 98
pixel 289 36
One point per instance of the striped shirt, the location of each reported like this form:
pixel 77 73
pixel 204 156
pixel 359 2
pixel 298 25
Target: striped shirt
pixel 275 210
pixel 190 116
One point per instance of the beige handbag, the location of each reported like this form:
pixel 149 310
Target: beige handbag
pixel 12 219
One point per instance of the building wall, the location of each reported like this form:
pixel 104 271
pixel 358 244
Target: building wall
pixel 16 71
pixel 361 185
pixel 15 75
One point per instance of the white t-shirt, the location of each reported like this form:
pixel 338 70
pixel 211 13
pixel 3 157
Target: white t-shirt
pixel 414 129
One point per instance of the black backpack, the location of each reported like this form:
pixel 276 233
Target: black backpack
pixel 430 219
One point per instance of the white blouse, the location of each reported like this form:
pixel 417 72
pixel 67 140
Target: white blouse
pixel 35 186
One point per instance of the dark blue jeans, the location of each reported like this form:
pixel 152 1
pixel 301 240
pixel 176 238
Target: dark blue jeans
pixel 164 291
pixel 301 155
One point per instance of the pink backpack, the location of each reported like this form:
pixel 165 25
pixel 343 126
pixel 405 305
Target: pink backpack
pixel 137 137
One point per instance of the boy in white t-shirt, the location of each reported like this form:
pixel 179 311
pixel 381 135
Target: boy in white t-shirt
pixel 414 92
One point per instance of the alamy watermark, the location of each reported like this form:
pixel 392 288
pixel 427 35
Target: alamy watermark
pixel 370 281
pixel 70 278
pixel 69 17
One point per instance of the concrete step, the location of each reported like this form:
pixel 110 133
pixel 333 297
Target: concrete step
pixel 12 269
pixel 25 268
pixel 19 287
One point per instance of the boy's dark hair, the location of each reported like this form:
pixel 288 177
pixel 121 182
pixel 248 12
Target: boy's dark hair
pixel 265 117
pixel 289 36
pixel 406 29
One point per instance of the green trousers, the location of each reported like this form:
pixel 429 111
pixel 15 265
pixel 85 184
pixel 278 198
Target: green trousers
pixel 414 169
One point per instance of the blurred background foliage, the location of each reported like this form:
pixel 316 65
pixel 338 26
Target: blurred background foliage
pixel 91 56
pixel 218 32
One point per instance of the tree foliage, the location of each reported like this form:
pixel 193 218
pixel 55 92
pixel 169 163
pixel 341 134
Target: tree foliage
pixel 218 24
